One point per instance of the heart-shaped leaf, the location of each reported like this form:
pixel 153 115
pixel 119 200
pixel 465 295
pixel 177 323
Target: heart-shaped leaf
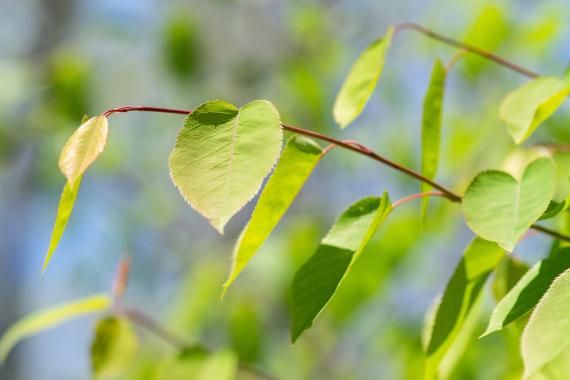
pixel 83 147
pixel 222 155
pixel 500 208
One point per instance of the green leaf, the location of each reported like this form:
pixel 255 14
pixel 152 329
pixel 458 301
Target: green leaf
pixel 524 296
pixel 296 163
pixel 507 275
pixel 361 81
pixel 316 281
pixel 113 346
pixel 49 318
pixel 555 208
pixel 431 126
pixel 83 147
pixel 64 209
pixel 524 109
pixel 222 155
pixel 222 365
pixel 500 208
pixel 196 364
pixel 547 333
pixel 460 294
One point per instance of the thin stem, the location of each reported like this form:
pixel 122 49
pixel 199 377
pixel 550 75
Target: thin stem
pixel 121 279
pixel 462 45
pixel 416 196
pixel 453 60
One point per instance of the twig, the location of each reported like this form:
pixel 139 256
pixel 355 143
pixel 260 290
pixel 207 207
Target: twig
pixel 416 196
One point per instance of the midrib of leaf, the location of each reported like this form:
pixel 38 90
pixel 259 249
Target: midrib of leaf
pixel 231 156
pixel 517 206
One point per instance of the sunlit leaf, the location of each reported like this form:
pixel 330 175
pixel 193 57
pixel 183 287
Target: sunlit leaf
pixel 524 296
pixel 317 280
pixel 460 294
pixel 296 163
pixel 507 275
pixel 547 333
pixel 64 209
pixel 222 155
pixel 49 318
pixel 113 346
pixel 500 208
pixel 221 365
pixel 83 147
pixel 524 109
pixel 196 364
pixel 431 126
pixel 361 81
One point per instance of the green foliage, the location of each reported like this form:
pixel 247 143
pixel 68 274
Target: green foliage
pixel 361 81
pixel 222 155
pixel 317 280
pixel 49 318
pixel 547 333
pixel 526 108
pixel 500 208
pixel 195 364
pixel 458 300
pixel 296 163
pixel 113 346
pixel 526 294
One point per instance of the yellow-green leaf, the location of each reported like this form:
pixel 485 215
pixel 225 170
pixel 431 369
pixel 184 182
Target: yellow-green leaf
pixel 83 147
pixel 361 81
pixel 113 346
pixel 316 281
pixel 222 155
pixel 64 209
pixel 296 163
pixel 49 318
pixel 524 109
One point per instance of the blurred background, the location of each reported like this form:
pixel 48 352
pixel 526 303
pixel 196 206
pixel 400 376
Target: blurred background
pixel 62 59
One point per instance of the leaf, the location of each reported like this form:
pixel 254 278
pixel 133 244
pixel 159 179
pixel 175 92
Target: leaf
pixel 524 109
pixel 547 332
pixel 49 318
pixel 83 147
pixel 500 208
pixel 431 126
pixel 222 155
pixel 460 294
pixel 64 209
pixel 113 346
pixel 222 365
pixel 507 275
pixel 296 163
pixel 195 364
pixel 555 208
pixel 316 281
pixel 361 81
pixel 524 296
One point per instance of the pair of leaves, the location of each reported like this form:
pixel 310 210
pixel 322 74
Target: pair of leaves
pixel 501 208
pixel 114 345
pixel 524 109
pixel 47 319
pixel 316 281
pixel 361 81
pixel 458 300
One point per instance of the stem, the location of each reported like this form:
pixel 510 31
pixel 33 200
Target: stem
pixel 462 45
pixel 416 196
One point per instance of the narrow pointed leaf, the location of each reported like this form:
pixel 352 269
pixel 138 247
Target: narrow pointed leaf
pixel 316 281
pixel 64 209
pixel 83 147
pixel 361 81
pixel 222 155
pixel 461 293
pixel 526 294
pixel 299 158
pixel 524 109
pixel 431 126
pixel 500 208
pixel 113 346
pixel 49 318
pixel 547 332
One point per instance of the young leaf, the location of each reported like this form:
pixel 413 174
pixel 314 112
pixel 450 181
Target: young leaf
pixel 83 147
pixel 222 155
pixel 431 126
pixel 547 332
pixel 296 163
pixel 113 346
pixel 524 296
pixel 500 208
pixel 46 319
pixel 361 80
pixel 64 209
pixel 317 280
pixel 524 109
pixel 460 294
